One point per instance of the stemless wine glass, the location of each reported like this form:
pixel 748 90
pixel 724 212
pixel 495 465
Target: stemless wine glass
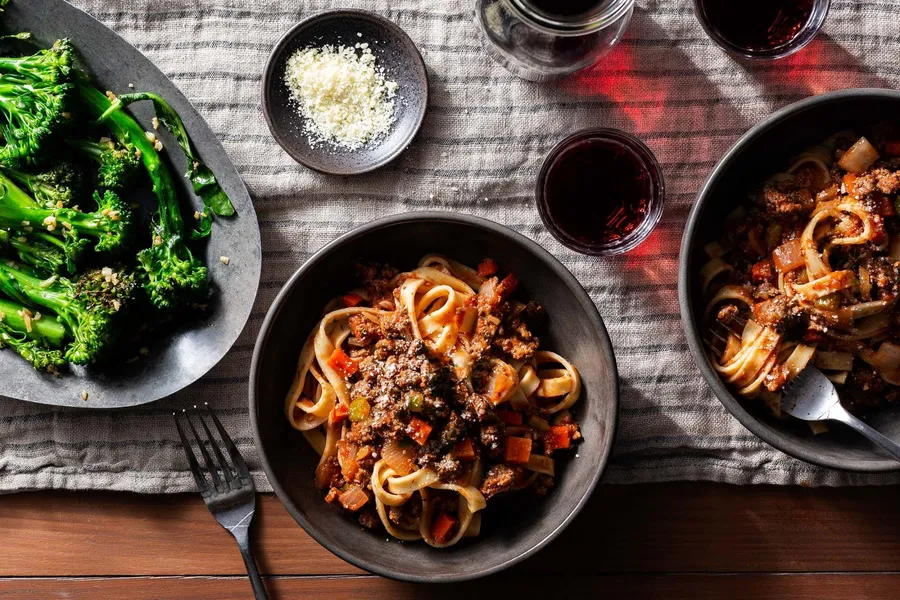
pixel 732 25
pixel 540 40
pixel 600 192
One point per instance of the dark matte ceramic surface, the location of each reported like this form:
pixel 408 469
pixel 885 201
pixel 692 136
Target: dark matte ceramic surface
pixel 394 52
pixel 194 348
pixel 512 528
pixel 763 150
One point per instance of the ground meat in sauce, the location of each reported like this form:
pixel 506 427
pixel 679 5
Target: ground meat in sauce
pixel 364 329
pixel 727 314
pixel 543 484
pixel 492 439
pixel 401 381
pixel 776 312
pixel 880 179
pixel 782 200
pixel 499 479
pixel 368 518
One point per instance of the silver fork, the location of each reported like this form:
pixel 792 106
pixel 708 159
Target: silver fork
pixel 812 397
pixel 232 496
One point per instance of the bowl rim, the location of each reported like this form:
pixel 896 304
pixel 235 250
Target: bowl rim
pixel 569 280
pixel 269 78
pixel 765 432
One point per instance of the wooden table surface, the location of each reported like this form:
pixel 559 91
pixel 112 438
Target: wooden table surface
pixel 672 541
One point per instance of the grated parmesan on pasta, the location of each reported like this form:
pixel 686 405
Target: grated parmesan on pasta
pixel 342 94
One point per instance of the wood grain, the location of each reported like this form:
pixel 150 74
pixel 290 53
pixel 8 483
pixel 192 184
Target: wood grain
pixel 666 528
pixel 632 587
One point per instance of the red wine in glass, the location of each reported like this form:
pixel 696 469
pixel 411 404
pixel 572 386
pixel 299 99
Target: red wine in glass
pixel 600 192
pixel 761 26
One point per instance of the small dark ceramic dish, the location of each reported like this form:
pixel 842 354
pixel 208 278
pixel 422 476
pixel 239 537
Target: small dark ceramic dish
pixel 394 51
pixel 764 150
pixel 512 528
pixel 180 358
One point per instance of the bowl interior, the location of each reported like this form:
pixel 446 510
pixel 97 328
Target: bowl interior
pixel 394 51
pixel 511 528
pixel 765 150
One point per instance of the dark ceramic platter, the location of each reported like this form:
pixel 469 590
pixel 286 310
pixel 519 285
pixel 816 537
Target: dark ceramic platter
pixel 512 528
pixel 192 349
pixel 394 51
pixel 765 149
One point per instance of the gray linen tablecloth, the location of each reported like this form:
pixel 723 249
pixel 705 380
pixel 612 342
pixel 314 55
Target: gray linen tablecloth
pixel 479 150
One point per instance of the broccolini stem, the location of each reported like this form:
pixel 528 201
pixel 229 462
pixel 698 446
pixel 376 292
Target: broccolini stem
pixel 128 131
pixel 47 328
pixel 13 194
pixel 28 289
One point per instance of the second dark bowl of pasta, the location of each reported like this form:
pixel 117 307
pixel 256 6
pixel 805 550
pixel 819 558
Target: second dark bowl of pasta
pixel 788 260
pixel 433 397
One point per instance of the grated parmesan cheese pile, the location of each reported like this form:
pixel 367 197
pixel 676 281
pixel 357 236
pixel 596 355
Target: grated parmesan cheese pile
pixel 343 96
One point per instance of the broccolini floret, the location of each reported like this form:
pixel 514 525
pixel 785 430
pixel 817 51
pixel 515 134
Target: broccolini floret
pixel 31 112
pixel 53 65
pixel 56 188
pixel 88 307
pixel 109 226
pixel 118 165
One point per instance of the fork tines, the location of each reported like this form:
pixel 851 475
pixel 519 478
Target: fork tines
pixel 224 476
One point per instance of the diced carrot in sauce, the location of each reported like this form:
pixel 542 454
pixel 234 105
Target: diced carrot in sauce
pixel 342 363
pixel 487 268
pixel 509 417
pixel 351 300
pixel 443 527
pixel 419 430
pixel 557 437
pixel 339 413
pixel 464 450
pixel 508 286
pixel 349 466
pixel 763 271
pixel 849 180
pixel 518 450
pixel 893 148
pixel 878 234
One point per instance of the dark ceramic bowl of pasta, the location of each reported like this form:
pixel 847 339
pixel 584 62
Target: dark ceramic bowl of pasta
pixel 512 527
pixel 767 149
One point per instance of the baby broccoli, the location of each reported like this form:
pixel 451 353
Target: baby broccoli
pixel 37 338
pixel 42 251
pixel 31 112
pixel 171 275
pixel 109 225
pixel 204 183
pixel 87 307
pixel 53 65
pixel 118 165
pixel 57 188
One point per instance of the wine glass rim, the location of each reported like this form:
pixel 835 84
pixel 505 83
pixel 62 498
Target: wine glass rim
pixel 609 12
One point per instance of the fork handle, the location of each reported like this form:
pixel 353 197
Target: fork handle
pixel 886 443
pixel 256 582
